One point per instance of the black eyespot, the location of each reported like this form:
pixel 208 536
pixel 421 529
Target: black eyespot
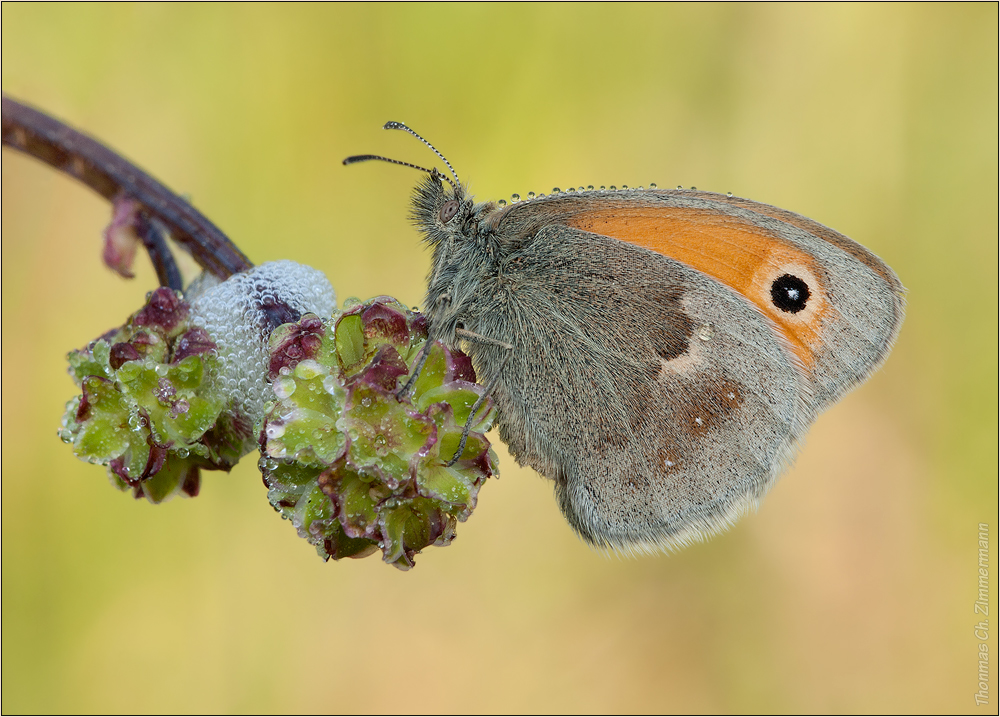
pixel 789 293
pixel 449 210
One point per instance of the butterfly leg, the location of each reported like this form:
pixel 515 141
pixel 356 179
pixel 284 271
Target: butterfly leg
pixel 480 339
pixel 444 299
pixel 417 368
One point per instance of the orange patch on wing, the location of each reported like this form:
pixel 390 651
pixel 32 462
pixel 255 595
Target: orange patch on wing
pixel 742 256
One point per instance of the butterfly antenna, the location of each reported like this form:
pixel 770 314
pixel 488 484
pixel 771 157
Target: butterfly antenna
pixel 400 125
pixel 366 157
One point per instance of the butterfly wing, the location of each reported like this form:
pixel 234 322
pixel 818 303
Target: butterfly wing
pixel 657 375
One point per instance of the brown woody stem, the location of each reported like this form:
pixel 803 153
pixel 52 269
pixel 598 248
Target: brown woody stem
pixel 113 177
pixel 159 253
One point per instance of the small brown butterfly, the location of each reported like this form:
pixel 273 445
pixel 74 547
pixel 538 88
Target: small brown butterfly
pixel 657 353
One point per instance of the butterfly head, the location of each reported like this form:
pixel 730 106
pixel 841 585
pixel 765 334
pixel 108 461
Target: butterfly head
pixel 442 208
pixel 443 211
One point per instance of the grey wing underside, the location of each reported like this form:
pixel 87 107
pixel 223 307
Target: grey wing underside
pixel 662 403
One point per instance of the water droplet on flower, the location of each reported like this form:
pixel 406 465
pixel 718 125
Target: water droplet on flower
pixel 284 387
pixel 330 384
pixel 706 332
pixel 652 185
pixel 309 369
pixel 274 431
pixel 515 197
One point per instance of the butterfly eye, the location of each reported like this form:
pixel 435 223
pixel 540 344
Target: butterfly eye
pixel 449 210
pixel 789 293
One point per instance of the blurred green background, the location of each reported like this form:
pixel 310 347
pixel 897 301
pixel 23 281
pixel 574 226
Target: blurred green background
pixel 851 590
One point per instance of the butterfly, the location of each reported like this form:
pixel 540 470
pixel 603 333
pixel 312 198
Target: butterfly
pixel 658 354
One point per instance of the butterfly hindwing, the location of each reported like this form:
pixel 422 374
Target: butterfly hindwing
pixel 656 431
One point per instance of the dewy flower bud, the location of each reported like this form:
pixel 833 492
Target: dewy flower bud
pixel 120 239
pixel 147 410
pixel 181 385
pixel 354 465
pixel 263 359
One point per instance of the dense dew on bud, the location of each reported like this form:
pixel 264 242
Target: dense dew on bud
pixel 240 314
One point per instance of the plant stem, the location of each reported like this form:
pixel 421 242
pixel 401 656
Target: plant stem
pixel 115 178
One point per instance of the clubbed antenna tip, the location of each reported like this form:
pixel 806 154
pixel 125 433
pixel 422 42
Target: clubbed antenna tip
pixel 400 125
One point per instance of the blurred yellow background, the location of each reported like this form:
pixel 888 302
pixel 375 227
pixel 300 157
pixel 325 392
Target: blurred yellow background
pixel 851 590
